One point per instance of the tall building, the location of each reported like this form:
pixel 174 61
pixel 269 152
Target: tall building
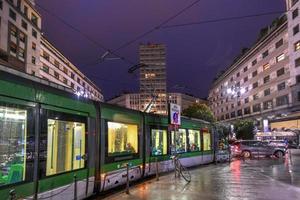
pixel 264 82
pixel 153 79
pixel 24 48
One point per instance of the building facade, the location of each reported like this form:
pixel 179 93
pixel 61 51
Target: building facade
pixel 24 48
pixel 132 100
pixel 153 78
pixel 263 83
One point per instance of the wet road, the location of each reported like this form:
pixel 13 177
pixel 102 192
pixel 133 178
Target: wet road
pixel 261 179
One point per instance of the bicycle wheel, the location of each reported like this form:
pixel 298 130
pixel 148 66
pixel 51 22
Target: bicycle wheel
pixel 185 173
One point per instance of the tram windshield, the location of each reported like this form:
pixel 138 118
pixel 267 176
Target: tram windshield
pixel 122 139
pixel 206 141
pixel 158 142
pixel 194 140
pixel 65 147
pixel 13 126
pixel 178 141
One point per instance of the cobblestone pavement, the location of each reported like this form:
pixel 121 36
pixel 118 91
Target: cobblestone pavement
pixel 259 179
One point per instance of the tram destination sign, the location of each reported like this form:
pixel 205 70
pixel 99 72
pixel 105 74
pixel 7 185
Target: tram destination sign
pixel 174 114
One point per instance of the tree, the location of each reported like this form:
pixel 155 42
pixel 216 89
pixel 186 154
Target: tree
pixel 199 111
pixel 244 129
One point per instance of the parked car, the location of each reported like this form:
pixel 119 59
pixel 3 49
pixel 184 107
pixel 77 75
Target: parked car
pixel 278 143
pixel 250 148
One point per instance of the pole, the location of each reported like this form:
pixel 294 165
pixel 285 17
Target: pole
pixel 127 178
pixel 157 173
pixel 75 187
pixel 12 195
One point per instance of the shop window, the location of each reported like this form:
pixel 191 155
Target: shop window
pixel 206 141
pixel 65 146
pixel 122 139
pixel 16 147
pixel 159 142
pixel 194 140
pixel 178 141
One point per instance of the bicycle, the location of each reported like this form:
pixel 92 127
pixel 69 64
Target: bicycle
pixel 180 169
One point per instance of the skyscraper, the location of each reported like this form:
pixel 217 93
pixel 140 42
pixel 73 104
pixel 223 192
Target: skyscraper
pixel 153 79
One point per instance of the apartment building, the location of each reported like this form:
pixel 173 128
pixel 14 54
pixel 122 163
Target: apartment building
pixel 24 48
pixel 263 83
pixel 153 79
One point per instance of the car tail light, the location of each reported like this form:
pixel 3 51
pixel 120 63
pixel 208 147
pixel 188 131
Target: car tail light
pixel 236 147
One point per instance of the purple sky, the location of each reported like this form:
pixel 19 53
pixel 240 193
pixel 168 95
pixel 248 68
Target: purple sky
pixel 194 53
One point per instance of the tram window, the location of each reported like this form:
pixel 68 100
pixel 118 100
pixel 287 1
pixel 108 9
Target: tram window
pixel 158 142
pixel 206 141
pixel 16 147
pixel 65 146
pixel 122 139
pixel 194 140
pixel 178 141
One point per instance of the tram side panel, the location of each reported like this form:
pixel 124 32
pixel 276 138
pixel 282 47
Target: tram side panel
pixel 121 144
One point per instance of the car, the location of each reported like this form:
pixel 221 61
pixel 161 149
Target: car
pixel 251 148
pixel 278 143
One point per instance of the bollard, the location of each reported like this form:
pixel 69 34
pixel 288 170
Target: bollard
pixel 157 175
pixel 290 155
pixel 12 195
pixel 127 181
pixel 75 187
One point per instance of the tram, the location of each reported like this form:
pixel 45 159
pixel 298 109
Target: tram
pixel 54 144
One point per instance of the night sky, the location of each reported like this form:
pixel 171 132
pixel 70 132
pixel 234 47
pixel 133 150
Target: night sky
pixel 194 53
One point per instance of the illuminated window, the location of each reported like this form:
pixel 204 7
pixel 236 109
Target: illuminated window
pixel 297 46
pixel 194 140
pixel 280 57
pixel 65 146
pixel 178 141
pixel 266 66
pixel 13 145
pixel 151 75
pixel 158 142
pixel 122 139
pixel 206 141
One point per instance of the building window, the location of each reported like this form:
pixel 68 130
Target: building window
pixel 254 73
pixel 281 86
pixel 239 103
pixel 56 63
pixel 298 79
pixel 254 62
pixel 65 81
pixel 295 13
pixel 12 15
pixel 13 48
pixel 246 79
pixel 267 79
pixel 56 75
pixel 268 105
pixel 65 70
pixel 194 140
pixel 33 60
pixel 267 92
pixel 246 100
pixel 178 141
pixel 256 108
pixel 22 37
pixel 1 4
pixel 65 146
pixel 46 56
pixel 255 96
pixel 34 19
pixel 239 112
pixel 245 69
pixel 26 11
pixel 33 46
pixel 296 29
pixel 45 69
pixel 72 85
pixel 255 85
pixel 24 24
pixel 72 75
pixel 232 114
pixel 227 116
pixel 294 2
pixel 266 66
pixel 238 74
pixel 280 72
pixel 280 57
pixel 282 100
pixel 279 43
pixel 265 54
pixel 34 33
pixel 297 45
pixel 21 54
pixel 247 111
pixel 297 62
